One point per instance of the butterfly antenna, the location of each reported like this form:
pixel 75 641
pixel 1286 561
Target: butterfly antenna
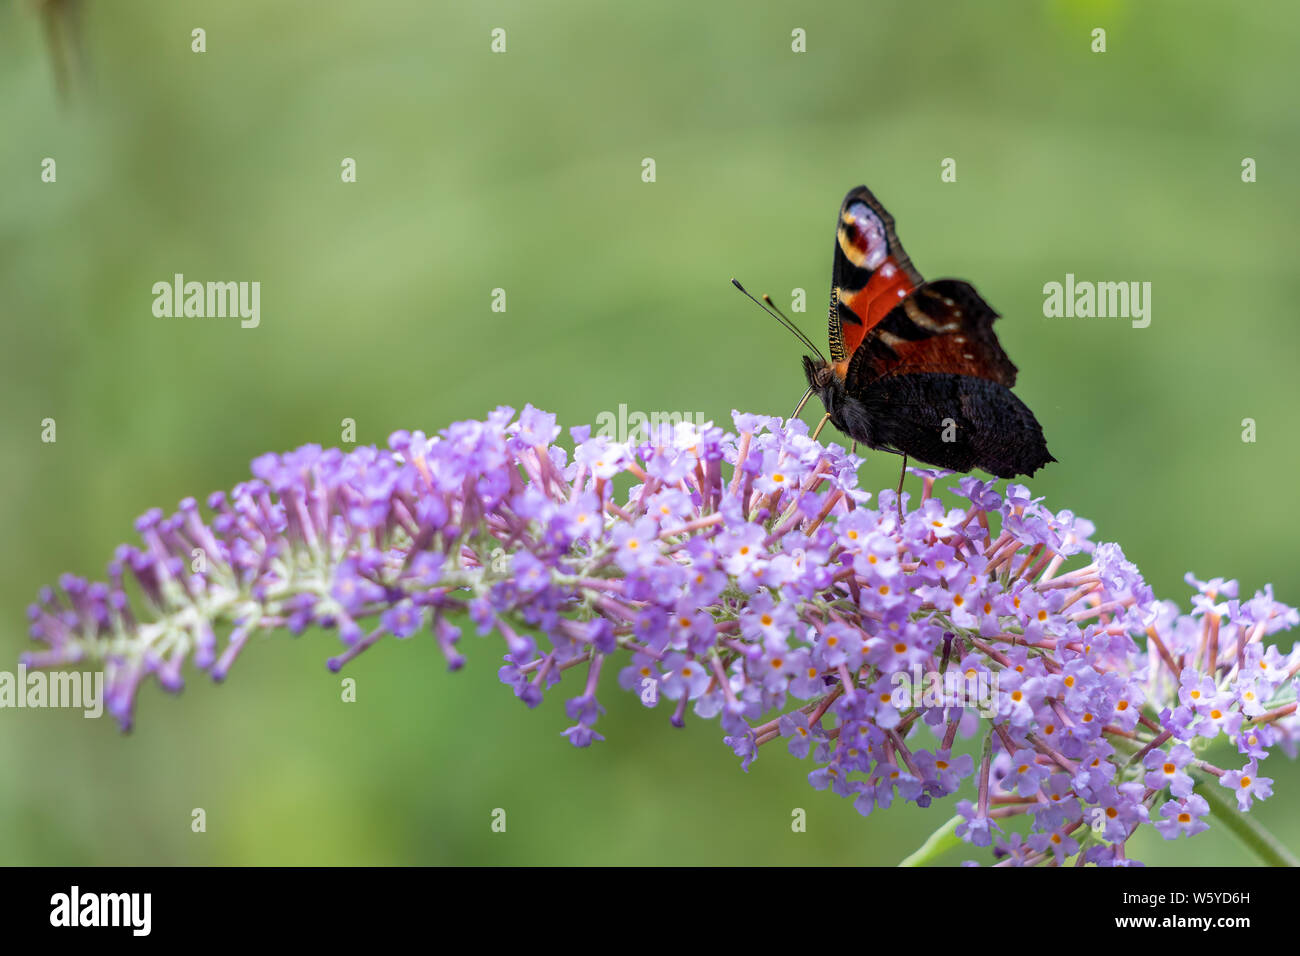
pixel 789 324
pixel 776 314
pixel 772 305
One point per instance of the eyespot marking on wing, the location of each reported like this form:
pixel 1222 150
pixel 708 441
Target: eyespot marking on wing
pixel 863 237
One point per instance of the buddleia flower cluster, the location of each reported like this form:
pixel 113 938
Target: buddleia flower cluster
pixel 991 651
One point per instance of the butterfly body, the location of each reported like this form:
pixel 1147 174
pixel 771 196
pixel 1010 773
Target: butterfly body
pixel 915 367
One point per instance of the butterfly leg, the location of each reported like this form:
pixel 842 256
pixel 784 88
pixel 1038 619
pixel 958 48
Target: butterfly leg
pixel 820 425
pixel 898 500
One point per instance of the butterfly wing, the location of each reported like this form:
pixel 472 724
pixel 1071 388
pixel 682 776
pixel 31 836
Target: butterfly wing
pixel 871 271
pixel 958 422
pixel 935 384
pixel 942 326
pixel 921 358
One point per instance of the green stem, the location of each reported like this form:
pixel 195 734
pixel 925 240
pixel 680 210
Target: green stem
pixel 937 843
pixel 1268 848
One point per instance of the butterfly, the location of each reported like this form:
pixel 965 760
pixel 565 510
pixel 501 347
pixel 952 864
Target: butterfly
pixel 915 367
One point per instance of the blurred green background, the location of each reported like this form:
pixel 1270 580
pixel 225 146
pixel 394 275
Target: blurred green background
pixel 523 171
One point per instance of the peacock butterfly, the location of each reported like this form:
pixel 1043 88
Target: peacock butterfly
pixel 915 367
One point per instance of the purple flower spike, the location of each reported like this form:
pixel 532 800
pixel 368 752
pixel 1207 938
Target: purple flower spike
pixel 744 577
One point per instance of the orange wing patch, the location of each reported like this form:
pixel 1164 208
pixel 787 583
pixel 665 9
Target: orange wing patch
pixel 952 354
pixel 942 326
pixel 887 286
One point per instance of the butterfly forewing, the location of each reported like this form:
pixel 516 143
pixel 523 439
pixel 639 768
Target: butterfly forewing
pixel 871 272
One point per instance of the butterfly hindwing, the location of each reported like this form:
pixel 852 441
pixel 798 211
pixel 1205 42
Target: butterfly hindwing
pixel 942 326
pixel 932 381
pixel 953 421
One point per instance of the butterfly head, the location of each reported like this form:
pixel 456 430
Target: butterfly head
pixel 820 373
pixel 827 383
